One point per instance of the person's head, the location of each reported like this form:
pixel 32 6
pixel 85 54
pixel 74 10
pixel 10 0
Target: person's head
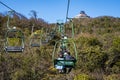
pixel 60 54
pixel 65 37
pixel 65 53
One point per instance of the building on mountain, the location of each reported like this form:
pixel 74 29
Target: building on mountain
pixel 82 15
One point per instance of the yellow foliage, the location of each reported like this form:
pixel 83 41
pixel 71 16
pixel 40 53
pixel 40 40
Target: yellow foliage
pixel 14 41
pixel 112 77
pixel 52 68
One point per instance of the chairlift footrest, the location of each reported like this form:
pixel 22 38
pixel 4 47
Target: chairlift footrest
pixel 35 45
pixel 14 49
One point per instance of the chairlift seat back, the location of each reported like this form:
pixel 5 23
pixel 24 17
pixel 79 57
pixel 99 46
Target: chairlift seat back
pixel 65 63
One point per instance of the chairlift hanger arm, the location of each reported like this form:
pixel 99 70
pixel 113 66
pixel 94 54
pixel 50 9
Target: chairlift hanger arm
pixel 67 10
pixel 32 29
pixel 68 18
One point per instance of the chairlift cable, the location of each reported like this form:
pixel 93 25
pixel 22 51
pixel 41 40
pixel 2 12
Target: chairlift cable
pixel 9 13
pixel 7 6
pixel 12 10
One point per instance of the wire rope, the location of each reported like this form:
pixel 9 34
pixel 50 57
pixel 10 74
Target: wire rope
pixel 7 6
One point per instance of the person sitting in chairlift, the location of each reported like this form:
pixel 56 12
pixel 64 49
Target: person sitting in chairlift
pixel 60 67
pixel 67 56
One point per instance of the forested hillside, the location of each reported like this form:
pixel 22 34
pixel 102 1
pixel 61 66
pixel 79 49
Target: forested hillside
pixel 98 46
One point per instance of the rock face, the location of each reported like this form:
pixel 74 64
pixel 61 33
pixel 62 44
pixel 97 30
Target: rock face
pixel 82 15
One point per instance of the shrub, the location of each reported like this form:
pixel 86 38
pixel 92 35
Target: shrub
pixel 112 77
pixel 83 77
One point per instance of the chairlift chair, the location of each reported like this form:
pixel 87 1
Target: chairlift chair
pixel 35 40
pixel 14 40
pixel 63 62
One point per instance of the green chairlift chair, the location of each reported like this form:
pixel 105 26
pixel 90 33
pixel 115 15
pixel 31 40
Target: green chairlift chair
pixel 35 40
pixel 14 40
pixel 63 43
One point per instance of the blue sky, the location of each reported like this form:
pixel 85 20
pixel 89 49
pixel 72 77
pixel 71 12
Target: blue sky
pixel 53 10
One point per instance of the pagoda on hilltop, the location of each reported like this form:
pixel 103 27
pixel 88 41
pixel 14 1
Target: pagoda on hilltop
pixel 82 15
